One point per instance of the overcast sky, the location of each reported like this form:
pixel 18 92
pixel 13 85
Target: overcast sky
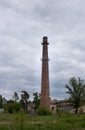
pixel 23 23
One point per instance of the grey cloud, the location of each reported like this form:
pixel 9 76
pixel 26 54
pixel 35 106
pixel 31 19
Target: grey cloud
pixel 22 26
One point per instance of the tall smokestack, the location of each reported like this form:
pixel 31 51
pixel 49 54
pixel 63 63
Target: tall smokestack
pixel 45 98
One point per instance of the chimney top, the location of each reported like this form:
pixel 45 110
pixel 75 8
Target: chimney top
pixel 45 40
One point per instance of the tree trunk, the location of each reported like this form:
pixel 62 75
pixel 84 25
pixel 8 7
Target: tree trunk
pixel 76 111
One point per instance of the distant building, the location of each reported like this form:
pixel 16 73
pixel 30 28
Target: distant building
pixel 60 105
pixel 4 101
pixel 1 110
pixel 81 109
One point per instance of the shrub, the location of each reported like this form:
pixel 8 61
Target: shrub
pixel 44 111
pixel 12 107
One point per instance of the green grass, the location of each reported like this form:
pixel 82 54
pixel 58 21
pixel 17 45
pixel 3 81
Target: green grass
pixel 60 121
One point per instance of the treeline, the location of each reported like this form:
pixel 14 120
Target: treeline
pixel 75 89
pixel 15 104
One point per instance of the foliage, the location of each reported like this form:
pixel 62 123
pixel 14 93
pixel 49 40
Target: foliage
pixel 15 96
pixel 76 91
pixel 36 100
pixel 19 119
pixel 24 99
pixel 22 121
pixel 12 106
pixel 44 111
pixel 1 102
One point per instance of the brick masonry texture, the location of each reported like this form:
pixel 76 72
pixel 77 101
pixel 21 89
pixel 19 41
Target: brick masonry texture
pixel 45 98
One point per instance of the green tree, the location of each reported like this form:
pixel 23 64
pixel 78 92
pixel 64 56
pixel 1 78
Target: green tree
pixel 1 101
pixel 76 91
pixel 15 96
pixel 12 106
pixel 24 99
pixel 36 99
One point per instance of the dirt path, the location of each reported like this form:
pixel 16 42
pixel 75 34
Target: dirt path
pixel 5 122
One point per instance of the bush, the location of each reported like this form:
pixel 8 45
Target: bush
pixel 12 107
pixel 44 111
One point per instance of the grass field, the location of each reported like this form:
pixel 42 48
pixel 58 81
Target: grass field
pixel 59 121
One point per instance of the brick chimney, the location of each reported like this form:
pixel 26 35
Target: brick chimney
pixel 45 99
